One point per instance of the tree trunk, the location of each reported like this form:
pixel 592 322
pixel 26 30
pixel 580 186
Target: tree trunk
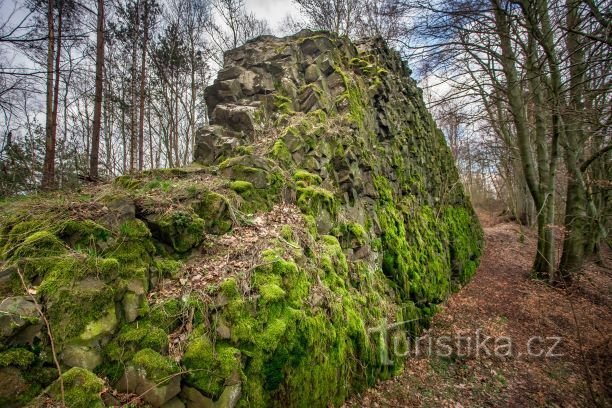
pixel 48 174
pixel 97 119
pixel 576 217
pixel 145 39
pixel 58 56
pixel 133 104
pixel 544 263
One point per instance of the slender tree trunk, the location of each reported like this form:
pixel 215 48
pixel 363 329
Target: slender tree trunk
pixel 63 139
pixel 576 217
pixel 145 39
pixel 58 56
pixel 150 128
pixel 97 119
pixel 124 137
pixel 545 248
pixel 48 174
pixel 133 102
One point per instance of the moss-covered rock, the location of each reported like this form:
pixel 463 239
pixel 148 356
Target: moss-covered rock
pixel 216 212
pixel 154 377
pixel 18 357
pixel 179 229
pixel 210 365
pixel 369 229
pixel 82 389
pixel 20 321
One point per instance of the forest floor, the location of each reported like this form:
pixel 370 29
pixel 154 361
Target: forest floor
pixel 572 325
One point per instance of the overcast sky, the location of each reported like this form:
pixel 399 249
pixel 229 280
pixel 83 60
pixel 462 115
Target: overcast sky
pixel 271 10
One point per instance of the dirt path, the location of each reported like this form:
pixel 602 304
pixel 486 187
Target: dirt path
pixel 504 303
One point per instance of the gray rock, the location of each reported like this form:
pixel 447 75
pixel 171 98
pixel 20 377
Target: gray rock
pixel 6 273
pixel 325 64
pixel 135 380
pixel 174 403
pixel 103 327
pixel 230 397
pixel 238 118
pixel 309 100
pixel 232 72
pixel 19 321
pixel 12 386
pixel 132 306
pixel 194 398
pixel 81 356
pixel 121 209
pixel 214 142
pixel 312 74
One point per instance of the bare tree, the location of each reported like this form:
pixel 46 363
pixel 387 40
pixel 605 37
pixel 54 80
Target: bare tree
pixel 97 119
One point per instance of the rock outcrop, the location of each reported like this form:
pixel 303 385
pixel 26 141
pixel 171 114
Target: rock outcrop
pixel 323 208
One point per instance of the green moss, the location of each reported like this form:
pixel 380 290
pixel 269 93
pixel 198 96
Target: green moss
pixel 18 357
pixel 158 368
pixel 215 210
pixel 311 225
pixel 15 229
pixel 75 293
pixel 83 235
pixel 166 315
pixel 465 240
pixel 128 182
pixel 64 271
pixel 318 116
pixel 104 324
pixel 229 288
pixel 283 104
pixel 180 229
pixel 134 229
pixel 305 179
pixel 287 233
pixel 38 245
pixel 354 97
pixel 211 365
pixel 281 153
pixel 166 268
pixel 241 186
pixel 255 199
pixel 350 234
pixel 242 150
pixel 271 293
pixel 82 389
pixel 312 200
pixel 134 337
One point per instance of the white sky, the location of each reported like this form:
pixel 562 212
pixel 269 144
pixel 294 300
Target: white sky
pixel 271 10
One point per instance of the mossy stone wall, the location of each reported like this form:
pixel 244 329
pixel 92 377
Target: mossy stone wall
pixel 312 125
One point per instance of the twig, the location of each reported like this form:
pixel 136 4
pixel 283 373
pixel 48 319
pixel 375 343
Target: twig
pixel 51 340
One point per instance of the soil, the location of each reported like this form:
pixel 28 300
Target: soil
pixel 569 327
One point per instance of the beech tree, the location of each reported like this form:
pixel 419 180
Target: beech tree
pixel 521 61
